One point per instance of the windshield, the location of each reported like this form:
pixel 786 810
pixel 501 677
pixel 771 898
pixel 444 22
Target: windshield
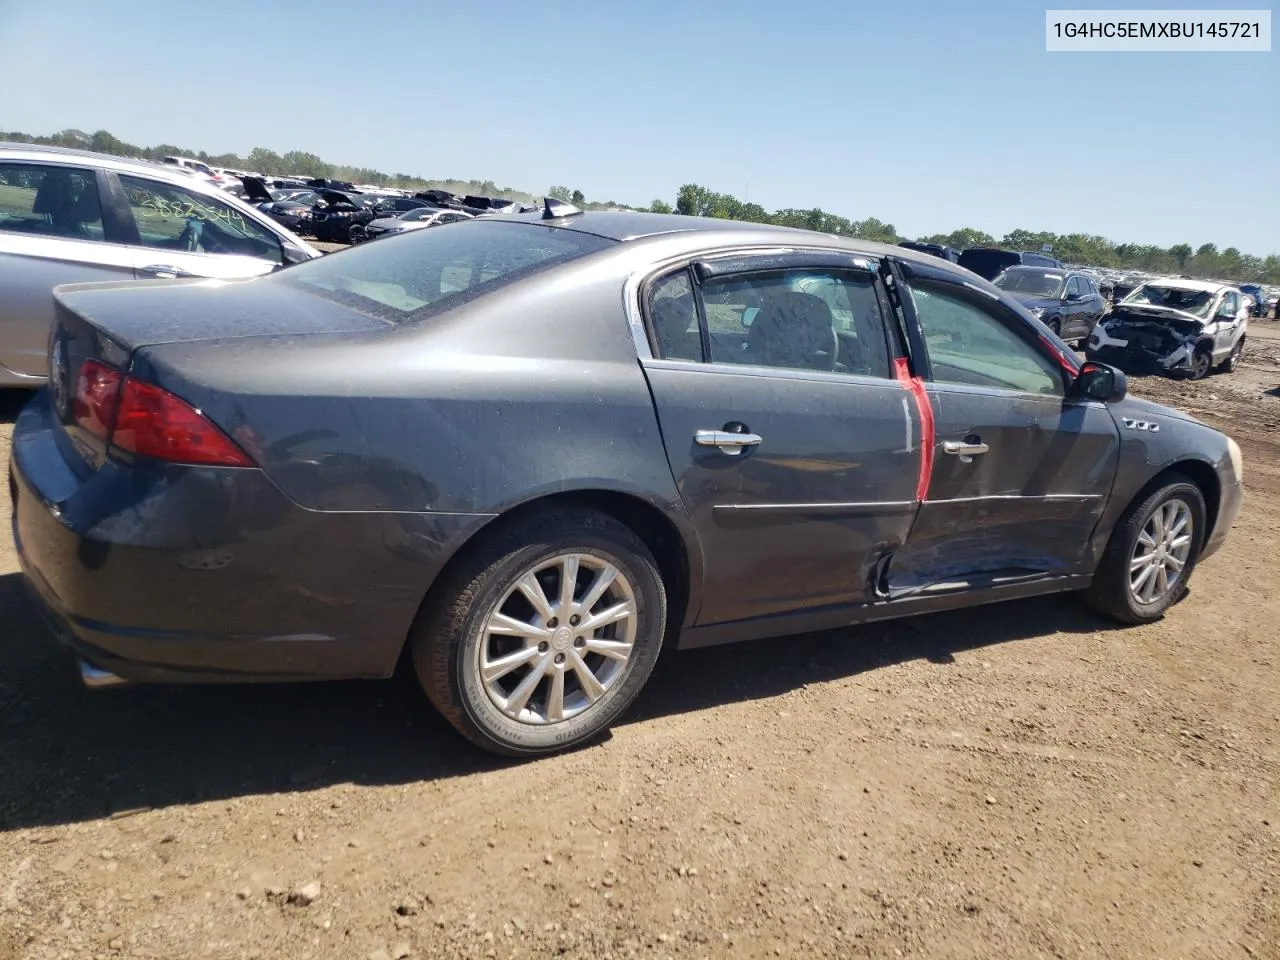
pixel 1038 283
pixel 426 271
pixel 420 213
pixel 1196 302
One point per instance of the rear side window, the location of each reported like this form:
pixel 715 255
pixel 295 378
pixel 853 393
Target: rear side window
pixel 50 201
pixel 430 270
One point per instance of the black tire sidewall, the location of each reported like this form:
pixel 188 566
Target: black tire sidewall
pixel 1188 492
pixel 511 736
pixel 1199 373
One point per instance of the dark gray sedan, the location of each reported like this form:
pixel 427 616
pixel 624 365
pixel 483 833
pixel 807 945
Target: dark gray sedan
pixel 539 450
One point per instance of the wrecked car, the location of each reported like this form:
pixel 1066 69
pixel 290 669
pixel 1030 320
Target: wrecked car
pixel 1176 327
pixel 531 455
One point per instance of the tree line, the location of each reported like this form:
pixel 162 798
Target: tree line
pixel 1205 260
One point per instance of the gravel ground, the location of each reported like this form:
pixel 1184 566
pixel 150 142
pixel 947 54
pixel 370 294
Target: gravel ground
pixel 1024 780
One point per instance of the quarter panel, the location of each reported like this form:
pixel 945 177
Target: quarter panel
pixel 519 393
pixel 30 267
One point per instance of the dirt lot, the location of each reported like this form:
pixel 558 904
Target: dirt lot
pixel 1023 780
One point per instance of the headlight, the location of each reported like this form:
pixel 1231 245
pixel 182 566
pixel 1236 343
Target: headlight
pixel 1237 460
pixel 1037 312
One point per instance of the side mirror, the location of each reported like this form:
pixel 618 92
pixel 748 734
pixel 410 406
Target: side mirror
pixel 1098 381
pixel 1073 296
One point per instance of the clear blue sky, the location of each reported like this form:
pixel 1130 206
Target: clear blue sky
pixel 931 115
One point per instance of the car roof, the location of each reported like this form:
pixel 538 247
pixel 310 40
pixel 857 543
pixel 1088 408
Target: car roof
pixel 634 226
pixel 157 171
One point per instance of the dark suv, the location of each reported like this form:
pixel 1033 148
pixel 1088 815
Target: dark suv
pixel 987 262
pixel 1066 302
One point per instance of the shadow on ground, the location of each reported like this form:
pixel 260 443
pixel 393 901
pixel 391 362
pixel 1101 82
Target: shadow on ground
pixel 70 754
pixel 11 404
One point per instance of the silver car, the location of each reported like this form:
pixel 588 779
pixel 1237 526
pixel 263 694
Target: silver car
pixel 412 220
pixel 70 216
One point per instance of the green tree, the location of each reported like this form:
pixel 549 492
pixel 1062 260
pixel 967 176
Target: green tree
pixel 560 193
pixel 659 206
pixel 266 161
pixel 299 161
pixel 578 197
pixel 1181 252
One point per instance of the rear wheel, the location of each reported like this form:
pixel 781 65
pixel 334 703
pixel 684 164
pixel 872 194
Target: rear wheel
pixel 545 634
pixel 1152 554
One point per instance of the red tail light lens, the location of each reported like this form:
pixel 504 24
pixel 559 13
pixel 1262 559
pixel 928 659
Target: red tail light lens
pixel 154 423
pixel 97 389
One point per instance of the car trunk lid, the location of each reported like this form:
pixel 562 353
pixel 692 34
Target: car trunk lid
pixel 107 324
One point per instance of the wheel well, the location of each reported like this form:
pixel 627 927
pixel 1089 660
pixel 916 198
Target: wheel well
pixel 645 520
pixel 1203 476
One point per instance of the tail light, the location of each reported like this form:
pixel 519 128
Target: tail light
pixel 97 390
pixel 149 420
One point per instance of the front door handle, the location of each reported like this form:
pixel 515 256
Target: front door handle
pixel 162 271
pixel 728 443
pixel 965 450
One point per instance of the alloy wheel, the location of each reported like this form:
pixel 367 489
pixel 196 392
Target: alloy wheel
pixel 1200 364
pixel 1161 551
pixel 558 640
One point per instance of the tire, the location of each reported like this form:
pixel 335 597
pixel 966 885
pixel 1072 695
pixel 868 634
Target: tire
pixel 1201 364
pixel 451 639
pixel 1232 363
pixel 1112 592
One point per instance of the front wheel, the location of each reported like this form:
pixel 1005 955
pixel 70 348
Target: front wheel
pixel 1232 363
pixel 1201 364
pixel 545 634
pixel 1151 555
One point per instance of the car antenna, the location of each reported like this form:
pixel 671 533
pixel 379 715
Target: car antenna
pixel 553 209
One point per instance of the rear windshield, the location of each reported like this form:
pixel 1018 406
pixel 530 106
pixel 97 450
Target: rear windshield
pixel 987 263
pixel 407 276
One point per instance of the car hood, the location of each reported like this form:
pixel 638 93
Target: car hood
pixel 1033 299
pixel 255 188
pixel 1135 316
pixel 386 223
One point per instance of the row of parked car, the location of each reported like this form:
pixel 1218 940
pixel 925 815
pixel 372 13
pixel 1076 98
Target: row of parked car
pixel 1176 326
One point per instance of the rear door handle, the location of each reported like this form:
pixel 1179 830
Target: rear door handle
pixel 965 450
pixel 728 443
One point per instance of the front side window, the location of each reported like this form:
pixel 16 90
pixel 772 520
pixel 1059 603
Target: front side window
pixel 825 320
pixel 970 344
pixel 174 218
pixel 431 270
pixel 50 201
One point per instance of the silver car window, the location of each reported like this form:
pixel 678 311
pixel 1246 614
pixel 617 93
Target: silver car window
pixel 50 201
pixel 174 218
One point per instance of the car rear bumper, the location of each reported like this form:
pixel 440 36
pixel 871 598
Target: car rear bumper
pixel 160 572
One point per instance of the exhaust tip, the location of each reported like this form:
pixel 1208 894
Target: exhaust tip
pixel 96 678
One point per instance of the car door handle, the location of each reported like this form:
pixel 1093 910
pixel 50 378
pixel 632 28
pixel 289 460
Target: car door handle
pixel 729 443
pixel 963 448
pixel 162 271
